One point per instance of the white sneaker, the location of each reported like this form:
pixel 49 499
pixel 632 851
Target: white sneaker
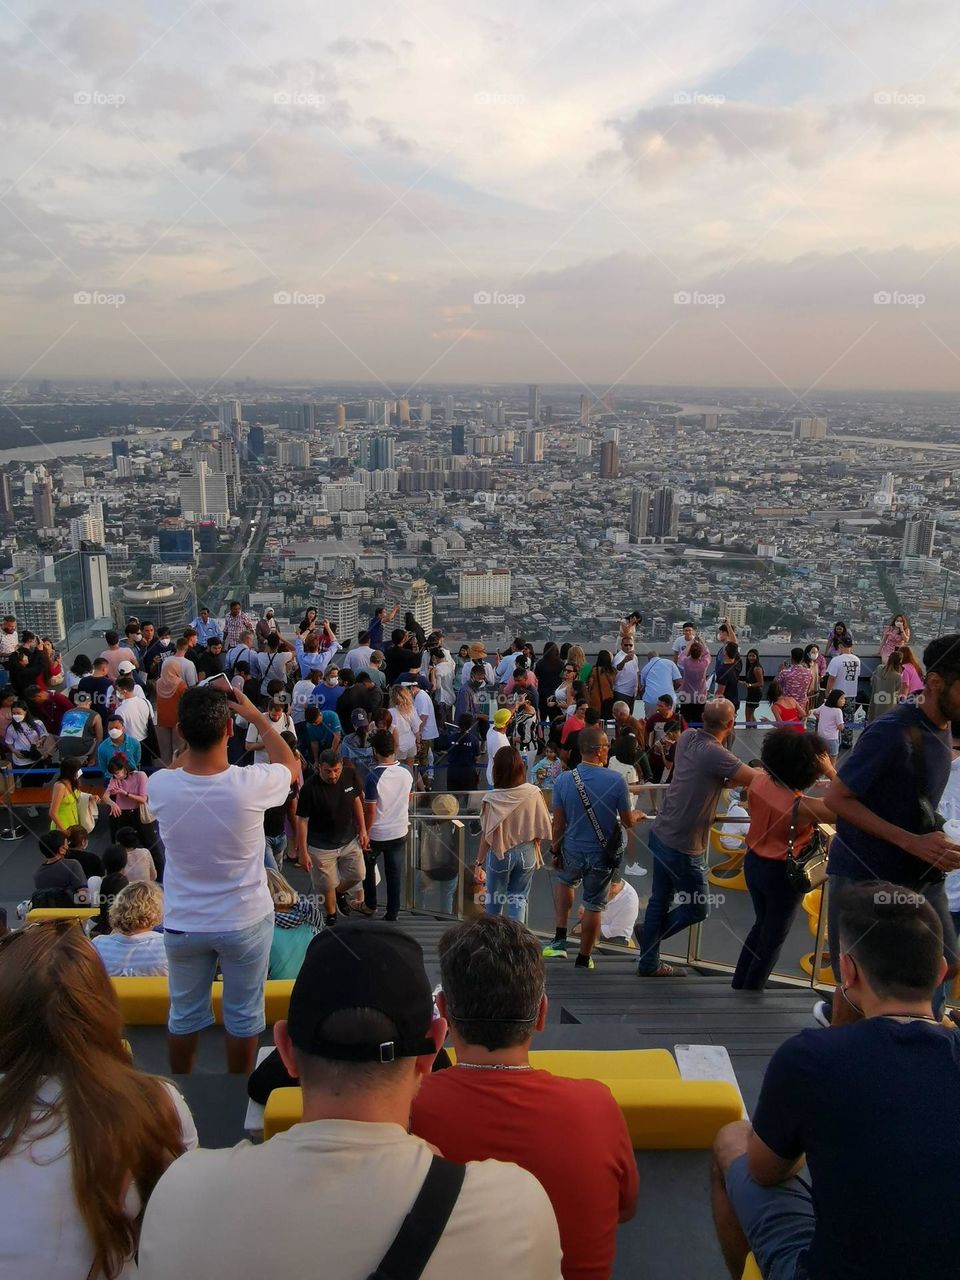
pixel 635 870
pixel 822 1013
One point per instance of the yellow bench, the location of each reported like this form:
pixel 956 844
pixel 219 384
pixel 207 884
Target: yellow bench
pixel 145 1002
pixel 662 1111
pixel 751 1271
pixel 61 913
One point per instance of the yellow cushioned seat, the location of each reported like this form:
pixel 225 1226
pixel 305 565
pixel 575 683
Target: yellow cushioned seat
pixel 603 1064
pixel 751 1271
pixel 61 913
pixel 145 1002
pixel 661 1114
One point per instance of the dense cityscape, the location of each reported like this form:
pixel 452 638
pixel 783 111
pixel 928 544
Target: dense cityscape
pixel 485 510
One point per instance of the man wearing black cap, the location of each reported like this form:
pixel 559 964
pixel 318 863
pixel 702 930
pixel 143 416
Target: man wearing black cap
pixel 361 1034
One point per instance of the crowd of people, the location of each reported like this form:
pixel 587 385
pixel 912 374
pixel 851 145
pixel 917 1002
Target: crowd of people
pixel 231 748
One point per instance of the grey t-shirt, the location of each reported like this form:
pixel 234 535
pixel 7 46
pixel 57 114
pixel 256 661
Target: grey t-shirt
pixel 701 767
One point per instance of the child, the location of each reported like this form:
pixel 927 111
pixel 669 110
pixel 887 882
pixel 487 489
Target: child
pixel 830 720
pixel 114 879
pixel 545 771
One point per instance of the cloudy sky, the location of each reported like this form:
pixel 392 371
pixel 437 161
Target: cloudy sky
pixel 758 192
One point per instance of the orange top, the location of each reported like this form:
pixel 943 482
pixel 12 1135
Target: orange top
pixel 771 806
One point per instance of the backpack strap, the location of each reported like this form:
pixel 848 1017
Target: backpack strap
pixel 421 1229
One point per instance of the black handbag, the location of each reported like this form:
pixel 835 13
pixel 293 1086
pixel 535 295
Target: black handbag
pixel 612 845
pixel 806 870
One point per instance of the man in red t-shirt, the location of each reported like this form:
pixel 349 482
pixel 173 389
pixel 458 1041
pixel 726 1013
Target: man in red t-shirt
pixel 570 1134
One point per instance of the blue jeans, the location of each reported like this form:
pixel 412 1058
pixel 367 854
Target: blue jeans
pixel 675 874
pixel 274 850
pixel 778 1221
pixel 244 958
pixel 508 881
pixel 775 902
pixel 393 852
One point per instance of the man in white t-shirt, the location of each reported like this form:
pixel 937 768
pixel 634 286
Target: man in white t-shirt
pixel 217 906
pixel 361 1035
pixel 626 680
pixel 423 706
pixel 506 664
pixel 658 676
pixel 497 738
pixel 733 830
pixel 357 658
pixel 685 639
pixel 386 809
pixel 843 673
pixel 302 694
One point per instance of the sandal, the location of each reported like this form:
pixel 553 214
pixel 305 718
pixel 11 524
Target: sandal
pixel 663 970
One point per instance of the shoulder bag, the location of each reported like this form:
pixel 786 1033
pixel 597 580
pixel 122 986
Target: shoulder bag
pixel 421 1229
pixel 88 810
pixel 612 846
pixel 806 870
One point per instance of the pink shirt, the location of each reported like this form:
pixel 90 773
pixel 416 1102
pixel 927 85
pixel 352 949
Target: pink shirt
pixel 912 679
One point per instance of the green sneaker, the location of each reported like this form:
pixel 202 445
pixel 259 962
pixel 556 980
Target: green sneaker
pixel 584 964
pixel 555 951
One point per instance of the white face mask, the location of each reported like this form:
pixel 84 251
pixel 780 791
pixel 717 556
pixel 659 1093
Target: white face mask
pixel 116 733
pixel 18 716
pixel 137 639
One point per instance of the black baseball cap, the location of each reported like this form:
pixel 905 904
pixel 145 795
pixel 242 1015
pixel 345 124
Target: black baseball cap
pixel 368 965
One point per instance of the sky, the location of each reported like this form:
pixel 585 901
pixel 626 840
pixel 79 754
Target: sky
pixel 759 192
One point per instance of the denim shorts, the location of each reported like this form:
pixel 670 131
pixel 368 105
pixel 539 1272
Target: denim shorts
pixel 596 877
pixel 778 1221
pixel 244 958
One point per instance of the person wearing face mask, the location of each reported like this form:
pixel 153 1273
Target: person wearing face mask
pixel 817 663
pixel 25 738
pixel 64 798
pixel 155 653
pixel 117 743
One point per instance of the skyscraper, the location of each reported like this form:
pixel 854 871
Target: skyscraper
pixel 664 513
pixel 533 446
pixel 809 428
pixel 918 537
pixel 119 449
pixel 308 418
pixel 124 467
pixel 341 417
pixel 458 439
pixel 6 498
pixel 584 411
pixel 421 604
pixel 88 527
pixel 403 411
pixel 610 456
pixel 43 503
pixel 449 408
pixel 378 453
pixel 341 605
pixel 639 514
pixel 484 588
pixel 203 495
pixel 425 411
pixel 95 582
pixel 533 403
pixel 257 444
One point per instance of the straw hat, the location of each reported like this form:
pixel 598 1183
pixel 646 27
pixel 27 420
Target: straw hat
pixel 477 652
pixel 445 806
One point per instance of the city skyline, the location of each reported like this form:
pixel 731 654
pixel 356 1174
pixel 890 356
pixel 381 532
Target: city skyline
pixel 667 195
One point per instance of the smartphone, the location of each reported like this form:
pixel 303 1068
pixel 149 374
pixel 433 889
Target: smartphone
pixel 220 681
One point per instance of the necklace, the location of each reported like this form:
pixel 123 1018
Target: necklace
pixel 490 1066
pixel 912 1017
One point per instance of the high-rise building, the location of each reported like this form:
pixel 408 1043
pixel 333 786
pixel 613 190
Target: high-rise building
pixel 421 604
pixel 809 428
pixel 919 533
pixel 639 514
pixel 533 446
pixel 119 449
pixel 6 498
pixel 124 467
pixel 610 457
pixel 293 453
pixel 43 505
pixel 177 546
pixel 584 447
pixel 584 411
pixel 256 444
pixel 711 421
pixel 381 453
pixel 166 603
pixel 41 611
pixel 229 412
pixel 533 403
pixel 449 407
pixel 736 612
pixel 426 411
pixel 308 417
pixel 458 439
pixel 664 514
pixel 341 605
pixel 203 495
pixel 88 527
pixel 341 417
pixel 484 588
pixel 95 582
pixel 403 411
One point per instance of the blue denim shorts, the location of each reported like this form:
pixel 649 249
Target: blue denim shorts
pixel 596 878
pixel 244 958
pixel 778 1221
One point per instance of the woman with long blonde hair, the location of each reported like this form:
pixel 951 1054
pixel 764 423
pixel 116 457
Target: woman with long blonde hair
pixel 405 726
pixel 84 1135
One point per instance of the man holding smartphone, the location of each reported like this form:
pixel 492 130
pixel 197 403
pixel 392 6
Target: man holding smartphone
pixel 218 908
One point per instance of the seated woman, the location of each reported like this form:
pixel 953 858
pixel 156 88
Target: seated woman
pixel 113 880
pixel 59 881
pixel 134 949
pixel 786 710
pixel 296 922
pixel 86 1135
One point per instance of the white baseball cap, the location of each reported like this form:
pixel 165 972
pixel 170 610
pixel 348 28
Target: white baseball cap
pixel 126 668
